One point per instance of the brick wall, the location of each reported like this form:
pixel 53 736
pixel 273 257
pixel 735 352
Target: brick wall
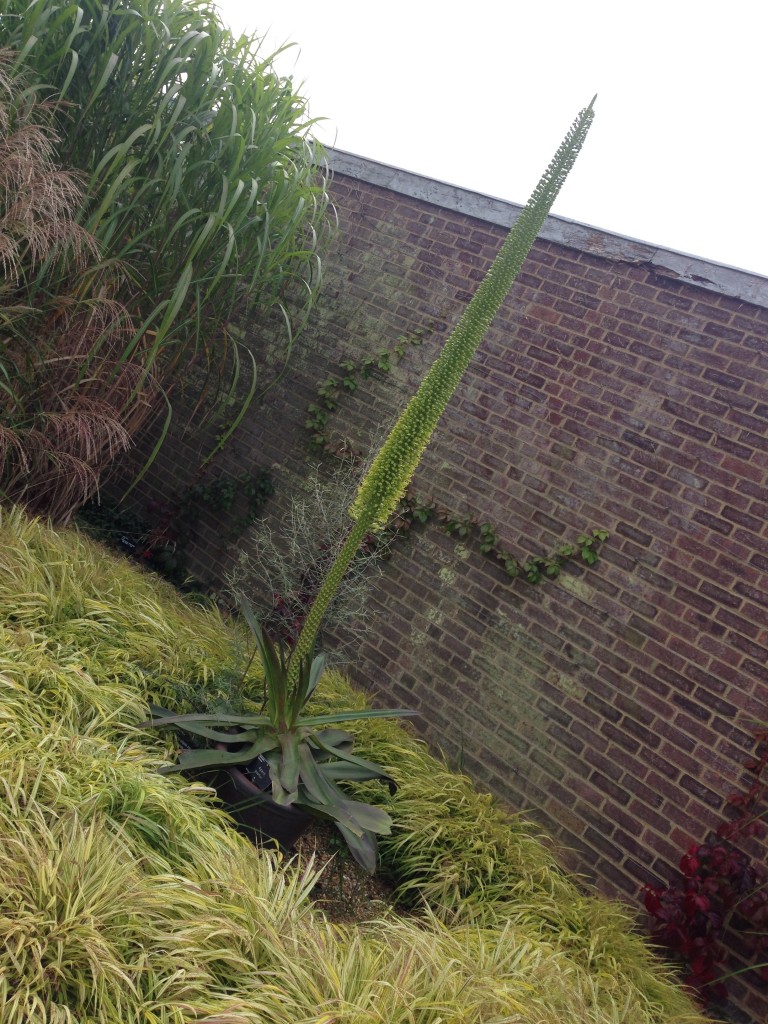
pixel 620 387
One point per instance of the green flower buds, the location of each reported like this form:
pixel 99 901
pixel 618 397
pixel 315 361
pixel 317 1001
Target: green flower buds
pixel 392 469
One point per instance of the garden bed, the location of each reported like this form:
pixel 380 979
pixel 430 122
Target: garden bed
pixel 127 897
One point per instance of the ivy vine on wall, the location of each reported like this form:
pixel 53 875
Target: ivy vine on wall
pixel 415 510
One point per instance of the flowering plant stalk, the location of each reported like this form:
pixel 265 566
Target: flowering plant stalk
pixel 307 758
pixel 386 481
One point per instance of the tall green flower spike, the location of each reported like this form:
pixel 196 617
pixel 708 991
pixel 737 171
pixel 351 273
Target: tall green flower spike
pixel 387 479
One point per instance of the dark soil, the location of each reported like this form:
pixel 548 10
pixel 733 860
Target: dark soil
pixel 345 893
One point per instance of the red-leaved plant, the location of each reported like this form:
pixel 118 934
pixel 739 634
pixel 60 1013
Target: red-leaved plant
pixel 720 889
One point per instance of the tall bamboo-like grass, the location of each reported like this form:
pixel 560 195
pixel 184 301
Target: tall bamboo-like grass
pixel 201 173
pixel 125 897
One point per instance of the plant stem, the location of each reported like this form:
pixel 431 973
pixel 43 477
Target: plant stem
pixel 325 595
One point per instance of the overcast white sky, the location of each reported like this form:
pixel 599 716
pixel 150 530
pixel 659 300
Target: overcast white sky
pixel 480 94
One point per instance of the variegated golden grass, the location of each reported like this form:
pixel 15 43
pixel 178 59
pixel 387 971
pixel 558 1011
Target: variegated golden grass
pixel 125 897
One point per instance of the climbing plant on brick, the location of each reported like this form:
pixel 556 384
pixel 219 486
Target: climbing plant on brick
pixel 331 390
pixel 413 509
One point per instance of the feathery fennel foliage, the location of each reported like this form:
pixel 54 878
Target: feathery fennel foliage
pixel 385 482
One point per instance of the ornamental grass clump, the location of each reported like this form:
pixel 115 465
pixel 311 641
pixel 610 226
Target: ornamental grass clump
pixel 478 867
pixel 125 897
pixel 65 593
pixel 205 189
pixel 63 412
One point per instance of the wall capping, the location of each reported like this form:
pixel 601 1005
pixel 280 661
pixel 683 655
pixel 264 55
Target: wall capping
pixel 667 263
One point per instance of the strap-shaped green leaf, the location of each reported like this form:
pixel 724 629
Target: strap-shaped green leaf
pixel 355 716
pixel 190 760
pixel 344 771
pixel 164 717
pixel 316 672
pixel 333 737
pixel 321 792
pixel 373 771
pixel 287 769
pixel 280 794
pixel 362 848
pixel 368 818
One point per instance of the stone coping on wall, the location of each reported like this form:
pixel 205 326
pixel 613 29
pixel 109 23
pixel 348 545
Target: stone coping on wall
pixel 667 263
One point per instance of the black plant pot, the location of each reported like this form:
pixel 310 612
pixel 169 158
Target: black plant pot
pixel 256 815
pixel 245 795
